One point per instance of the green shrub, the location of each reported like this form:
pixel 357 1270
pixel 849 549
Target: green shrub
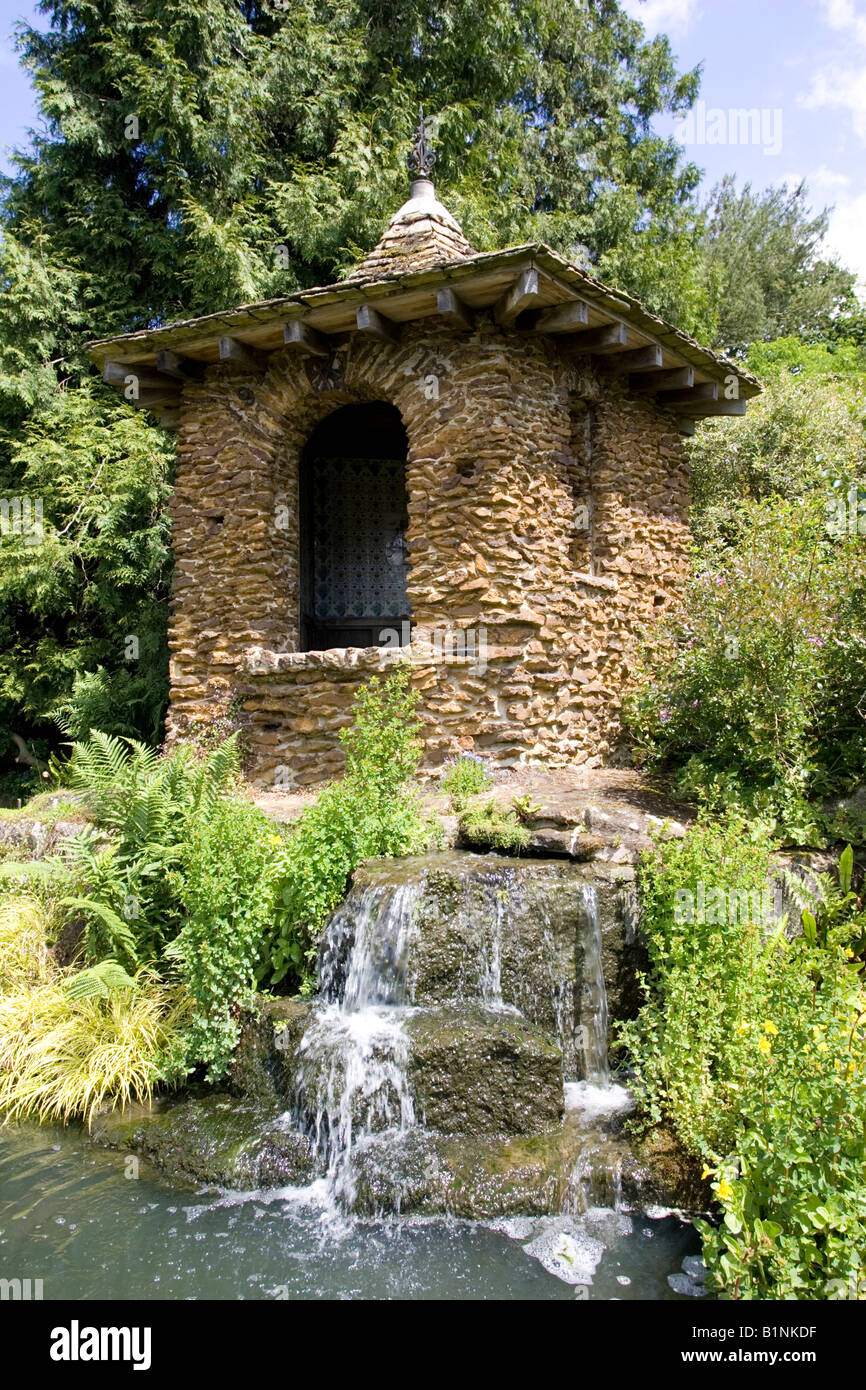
pixel 752 1047
pixel 691 1044
pixel 369 814
pixel 464 777
pixel 131 890
pixel 752 696
pixel 227 896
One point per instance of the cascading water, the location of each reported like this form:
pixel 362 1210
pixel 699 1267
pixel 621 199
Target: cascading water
pixel 593 1003
pixel 351 1080
pixel 456 991
pixel 596 1179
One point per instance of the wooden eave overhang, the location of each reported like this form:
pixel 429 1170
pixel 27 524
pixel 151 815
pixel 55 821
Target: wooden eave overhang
pixel 529 288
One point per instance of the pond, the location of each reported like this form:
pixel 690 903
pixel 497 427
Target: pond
pixel 70 1216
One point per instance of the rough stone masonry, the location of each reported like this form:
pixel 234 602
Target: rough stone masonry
pixel 546 508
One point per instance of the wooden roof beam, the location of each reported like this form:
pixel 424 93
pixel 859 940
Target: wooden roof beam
pixel 704 391
pixel 672 379
pixel 182 368
pixel 702 408
pixel 304 340
pixel 610 337
pixel 523 294
pixel 453 311
pixel 150 399
pixel 125 374
pixel 642 359
pixel 374 325
pixel 560 318
pixel 232 350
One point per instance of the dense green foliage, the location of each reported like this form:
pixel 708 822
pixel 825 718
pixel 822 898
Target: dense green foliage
pixel 755 693
pixel 757 690
pixel 151 807
pixel 180 894
pixel 763 260
pixel 369 813
pixel 83 589
pixel 227 895
pixel 753 1048
pixel 266 125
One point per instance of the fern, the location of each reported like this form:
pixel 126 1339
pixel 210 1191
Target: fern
pixel 115 933
pixel 100 980
pixel 149 804
pixel 808 891
pixel 48 873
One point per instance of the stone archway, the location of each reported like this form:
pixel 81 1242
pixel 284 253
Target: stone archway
pixel 353 516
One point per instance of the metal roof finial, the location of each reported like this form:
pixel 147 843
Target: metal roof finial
pixel 422 158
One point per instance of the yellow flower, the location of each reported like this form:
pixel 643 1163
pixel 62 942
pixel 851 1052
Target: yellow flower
pixel 743 1027
pixel 707 1173
pixel 765 1046
pixel 724 1189
pixel 770 1027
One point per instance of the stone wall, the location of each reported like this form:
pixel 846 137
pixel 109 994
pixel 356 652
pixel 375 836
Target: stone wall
pixel 547 520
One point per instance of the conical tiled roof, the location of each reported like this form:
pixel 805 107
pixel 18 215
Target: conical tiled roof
pixel 421 233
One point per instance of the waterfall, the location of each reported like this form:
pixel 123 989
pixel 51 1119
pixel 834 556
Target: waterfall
pixel 490 967
pixel 593 1001
pixel 352 1080
pixel 412 975
pixel 596 1179
pixel 365 955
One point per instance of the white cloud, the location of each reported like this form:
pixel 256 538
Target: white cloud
pixel 845 16
pixel 828 178
pixel 840 85
pixel 663 16
pixel 840 90
pixel 845 236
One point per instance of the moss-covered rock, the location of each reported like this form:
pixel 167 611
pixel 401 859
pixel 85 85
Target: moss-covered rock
pixel 480 1178
pixel 472 1071
pixel 263 1067
pixel 210 1137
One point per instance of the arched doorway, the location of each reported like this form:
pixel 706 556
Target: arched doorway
pixel 353 519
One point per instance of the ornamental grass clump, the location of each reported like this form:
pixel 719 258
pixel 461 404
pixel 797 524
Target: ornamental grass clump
pixel 66 1053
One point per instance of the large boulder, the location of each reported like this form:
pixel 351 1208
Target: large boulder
pixel 473 1071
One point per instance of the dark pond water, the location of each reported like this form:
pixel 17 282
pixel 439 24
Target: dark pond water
pixel 70 1216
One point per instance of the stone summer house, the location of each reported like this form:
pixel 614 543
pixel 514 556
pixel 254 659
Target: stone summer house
pixel 472 461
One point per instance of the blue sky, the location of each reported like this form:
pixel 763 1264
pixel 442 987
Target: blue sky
pixel 798 65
